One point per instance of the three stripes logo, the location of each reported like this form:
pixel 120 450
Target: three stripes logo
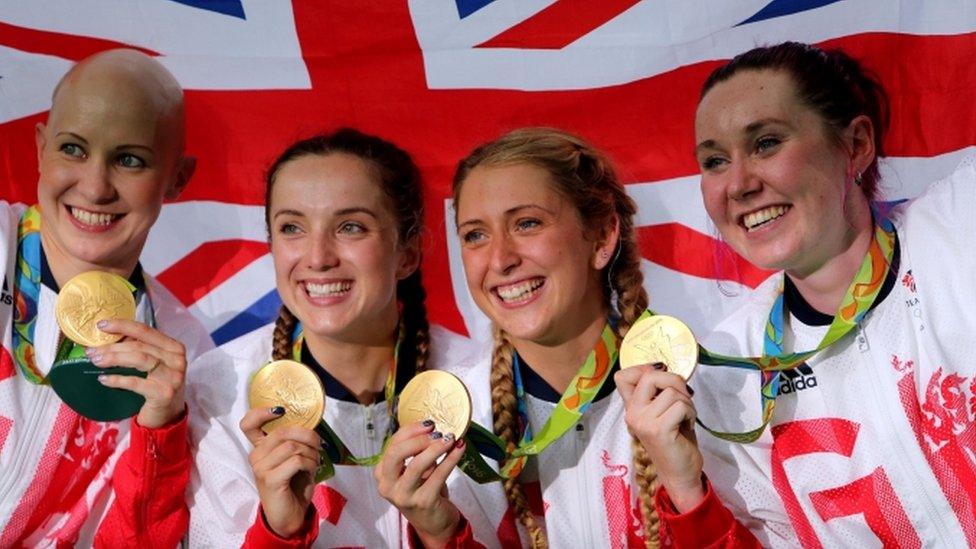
pixel 797 379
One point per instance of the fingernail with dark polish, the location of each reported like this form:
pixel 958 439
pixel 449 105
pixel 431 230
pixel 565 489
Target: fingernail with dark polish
pixel 427 423
pixel 459 444
pixel 449 439
pixel 278 410
pixel 691 392
pixel 436 435
pixel 659 366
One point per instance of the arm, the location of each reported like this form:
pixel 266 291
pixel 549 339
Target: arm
pixel 709 524
pixel 261 536
pixel 149 482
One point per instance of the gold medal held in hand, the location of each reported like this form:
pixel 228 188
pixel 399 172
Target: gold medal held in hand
pixel 663 339
pixel 440 397
pixel 292 385
pixel 89 298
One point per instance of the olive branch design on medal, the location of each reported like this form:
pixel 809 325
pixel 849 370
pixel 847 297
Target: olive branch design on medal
pixel 297 398
pixel 669 350
pixel 85 305
pixel 437 408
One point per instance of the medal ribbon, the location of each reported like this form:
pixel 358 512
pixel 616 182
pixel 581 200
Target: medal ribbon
pixel 336 451
pixel 860 297
pixel 27 291
pixel 575 400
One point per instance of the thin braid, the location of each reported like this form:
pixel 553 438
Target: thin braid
pixel 504 410
pixel 632 300
pixel 281 340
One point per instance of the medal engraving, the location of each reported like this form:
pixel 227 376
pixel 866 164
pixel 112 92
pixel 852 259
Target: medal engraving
pixel 292 385
pixel 89 298
pixel 440 397
pixel 663 339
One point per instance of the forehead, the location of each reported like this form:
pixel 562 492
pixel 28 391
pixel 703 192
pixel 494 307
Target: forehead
pixel 490 191
pixel 324 183
pixel 111 112
pixel 746 97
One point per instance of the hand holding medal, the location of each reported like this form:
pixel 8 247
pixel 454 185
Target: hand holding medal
pixel 434 412
pixel 137 368
pixel 657 356
pixel 287 403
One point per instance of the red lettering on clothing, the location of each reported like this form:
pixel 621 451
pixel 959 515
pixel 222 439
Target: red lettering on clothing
pixel 623 515
pixel 873 497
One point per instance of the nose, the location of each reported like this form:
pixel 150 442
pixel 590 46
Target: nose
pixel 321 254
pixel 95 182
pixel 743 180
pixel 504 255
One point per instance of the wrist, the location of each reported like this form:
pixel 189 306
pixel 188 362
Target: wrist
pixel 685 496
pixel 442 536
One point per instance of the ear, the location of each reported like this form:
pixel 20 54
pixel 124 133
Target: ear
pixel 40 140
pixel 188 165
pixel 859 138
pixel 409 258
pixel 606 245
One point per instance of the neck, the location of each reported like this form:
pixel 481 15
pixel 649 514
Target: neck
pixel 558 363
pixel 64 266
pixel 824 288
pixel 361 368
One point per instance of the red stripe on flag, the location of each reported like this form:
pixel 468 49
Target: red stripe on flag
pixel 67 46
pixel 209 266
pixel 559 25
pixel 685 250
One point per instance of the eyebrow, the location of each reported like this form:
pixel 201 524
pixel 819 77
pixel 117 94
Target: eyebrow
pixel 751 129
pixel 344 211
pixel 508 212
pixel 77 137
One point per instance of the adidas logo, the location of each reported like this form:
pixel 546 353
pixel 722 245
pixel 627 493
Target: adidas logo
pixel 6 297
pixel 798 379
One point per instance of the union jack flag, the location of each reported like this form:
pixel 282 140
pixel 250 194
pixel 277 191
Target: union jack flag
pixel 441 76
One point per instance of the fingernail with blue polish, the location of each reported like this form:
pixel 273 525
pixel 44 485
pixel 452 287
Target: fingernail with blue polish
pixel 659 366
pixel 436 435
pixel 449 439
pixel 278 410
pixel 427 423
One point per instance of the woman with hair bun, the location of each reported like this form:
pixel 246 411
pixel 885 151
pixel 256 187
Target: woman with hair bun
pixel 864 435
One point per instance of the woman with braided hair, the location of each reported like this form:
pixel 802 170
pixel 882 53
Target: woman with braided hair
pixel 863 336
pixel 344 215
pixel 550 256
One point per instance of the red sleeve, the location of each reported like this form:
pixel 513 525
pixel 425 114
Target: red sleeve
pixel 261 536
pixel 149 482
pixel 710 524
pixel 463 537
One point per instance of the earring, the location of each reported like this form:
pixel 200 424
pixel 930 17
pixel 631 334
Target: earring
pixel 606 254
pixel 858 179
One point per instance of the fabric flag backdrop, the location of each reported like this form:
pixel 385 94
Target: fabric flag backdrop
pixel 441 76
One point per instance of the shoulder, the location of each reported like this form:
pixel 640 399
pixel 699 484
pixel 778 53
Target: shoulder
pixel 177 322
pixel 949 203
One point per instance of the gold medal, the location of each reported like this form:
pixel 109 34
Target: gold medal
pixel 663 339
pixel 89 298
pixel 440 397
pixel 292 385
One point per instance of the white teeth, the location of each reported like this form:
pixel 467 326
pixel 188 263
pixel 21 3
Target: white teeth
pixel 91 218
pixel 518 292
pixel 755 219
pixel 328 290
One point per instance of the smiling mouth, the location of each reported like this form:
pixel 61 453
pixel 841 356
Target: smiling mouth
pixel 520 291
pixel 758 219
pixel 329 289
pixel 92 219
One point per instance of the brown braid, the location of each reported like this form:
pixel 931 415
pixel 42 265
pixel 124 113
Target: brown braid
pixel 281 340
pixel 504 410
pixel 587 179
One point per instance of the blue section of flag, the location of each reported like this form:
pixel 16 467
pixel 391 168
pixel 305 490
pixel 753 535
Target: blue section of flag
pixel 260 313
pixel 779 8
pixel 467 7
pixel 226 7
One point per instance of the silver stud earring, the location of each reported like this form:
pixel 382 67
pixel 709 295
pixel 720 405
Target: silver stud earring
pixel 858 179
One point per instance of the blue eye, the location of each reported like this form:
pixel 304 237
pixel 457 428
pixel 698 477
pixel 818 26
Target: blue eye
pixel 288 228
pixel 766 143
pixel 711 163
pixel 472 236
pixel 350 227
pixel 527 223
pixel 131 161
pixel 71 149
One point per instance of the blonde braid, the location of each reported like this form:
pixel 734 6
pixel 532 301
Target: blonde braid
pixel 281 340
pixel 632 300
pixel 504 410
